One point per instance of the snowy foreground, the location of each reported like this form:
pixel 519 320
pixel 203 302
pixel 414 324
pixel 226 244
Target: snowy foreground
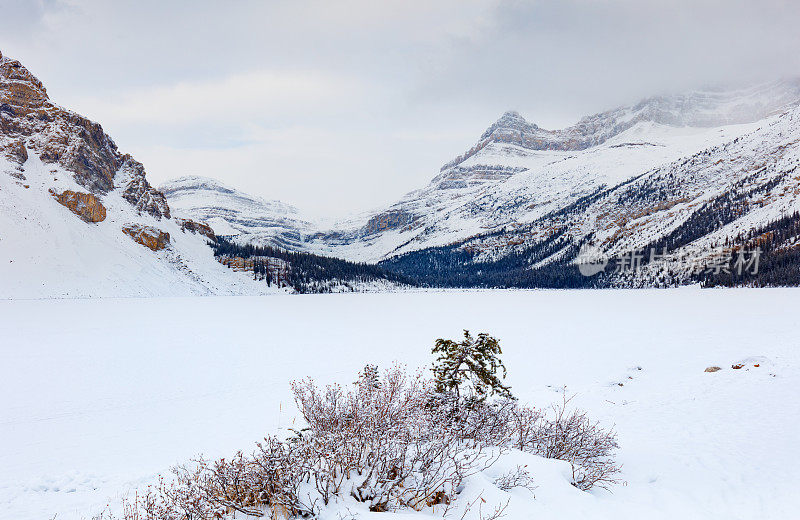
pixel 99 396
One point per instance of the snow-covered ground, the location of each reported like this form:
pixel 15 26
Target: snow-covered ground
pixel 98 396
pixel 46 251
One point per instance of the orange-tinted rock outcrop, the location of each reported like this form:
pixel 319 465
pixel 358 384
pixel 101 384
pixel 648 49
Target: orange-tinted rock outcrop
pixel 85 205
pixel 147 236
pixel 389 220
pixel 15 150
pixel 197 227
pixel 278 269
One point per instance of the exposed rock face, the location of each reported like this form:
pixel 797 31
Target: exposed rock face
pixel 138 191
pixel 278 269
pixel 196 227
pixel 85 205
pixel 30 122
pixel 57 135
pixel 459 177
pixel 148 236
pixel 21 88
pixel 15 150
pixel 389 220
pixel 712 369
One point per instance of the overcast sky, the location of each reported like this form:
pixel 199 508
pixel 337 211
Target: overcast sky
pixel 338 106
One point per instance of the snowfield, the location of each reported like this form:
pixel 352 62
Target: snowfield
pixel 46 251
pixel 99 396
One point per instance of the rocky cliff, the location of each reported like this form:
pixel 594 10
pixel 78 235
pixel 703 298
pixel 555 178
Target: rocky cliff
pixel 75 212
pixel 31 123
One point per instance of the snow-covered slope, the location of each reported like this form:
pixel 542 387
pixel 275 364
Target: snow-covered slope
pixel 505 184
pixel 691 205
pixel 518 172
pixel 231 212
pixel 79 219
pixel 47 251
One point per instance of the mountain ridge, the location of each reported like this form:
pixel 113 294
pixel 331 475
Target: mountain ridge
pixel 719 200
pixel 510 194
pixel 79 218
pixel 518 171
pixel 231 211
pixel 701 108
pixel 685 172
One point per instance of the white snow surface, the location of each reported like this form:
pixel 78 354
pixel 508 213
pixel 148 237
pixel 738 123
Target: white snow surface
pixel 46 251
pixel 100 395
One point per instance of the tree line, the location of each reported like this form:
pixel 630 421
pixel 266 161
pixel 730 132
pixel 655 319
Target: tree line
pixel 305 272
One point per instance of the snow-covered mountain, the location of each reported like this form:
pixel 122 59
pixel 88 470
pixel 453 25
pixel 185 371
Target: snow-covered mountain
pixel 686 172
pixel 78 218
pixel 700 109
pixel 233 213
pixel 741 192
pixel 516 174
pixel 505 184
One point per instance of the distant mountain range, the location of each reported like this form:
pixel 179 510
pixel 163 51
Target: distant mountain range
pixel 688 175
pixel 231 212
pixel 78 218
pixel 516 207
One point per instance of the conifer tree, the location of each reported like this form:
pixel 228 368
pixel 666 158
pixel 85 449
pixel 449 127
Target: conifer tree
pixel 473 363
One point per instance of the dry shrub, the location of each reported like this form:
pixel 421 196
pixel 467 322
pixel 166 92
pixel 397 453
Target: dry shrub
pixel 571 436
pixel 519 477
pixel 389 441
pixel 385 443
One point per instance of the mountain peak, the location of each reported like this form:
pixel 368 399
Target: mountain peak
pixel 700 109
pixel 511 128
pixel 31 124
pixel 24 91
pixel 511 115
pixel 510 121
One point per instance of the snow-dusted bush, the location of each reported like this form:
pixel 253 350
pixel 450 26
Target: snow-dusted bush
pixel 487 422
pixel 392 441
pixel 385 442
pixel 571 436
pixel 558 433
pixel 519 477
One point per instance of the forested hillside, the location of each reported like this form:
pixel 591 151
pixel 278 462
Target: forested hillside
pixel 303 272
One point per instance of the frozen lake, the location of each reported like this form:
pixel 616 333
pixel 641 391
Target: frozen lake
pixel 98 396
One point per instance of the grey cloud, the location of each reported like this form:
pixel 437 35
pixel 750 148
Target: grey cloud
pixel 421 79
